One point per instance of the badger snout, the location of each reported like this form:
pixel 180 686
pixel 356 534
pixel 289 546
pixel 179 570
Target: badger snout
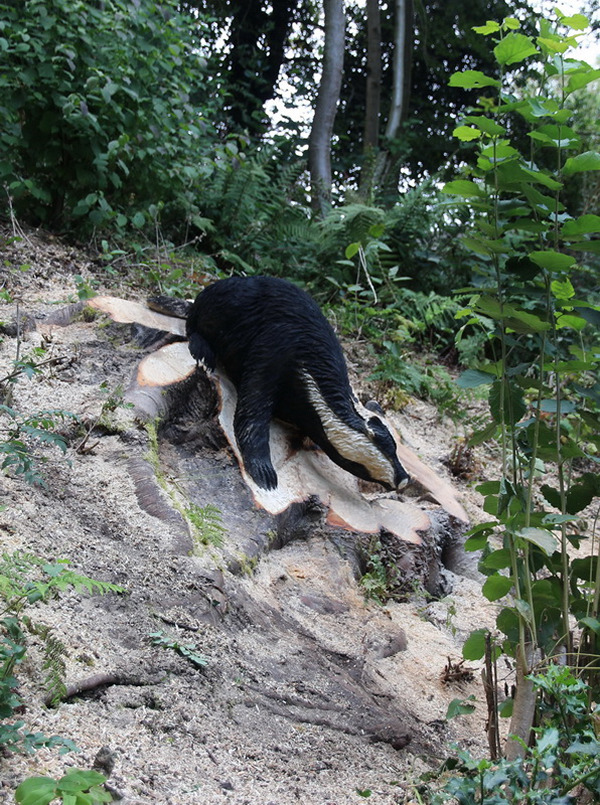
pixel 401 477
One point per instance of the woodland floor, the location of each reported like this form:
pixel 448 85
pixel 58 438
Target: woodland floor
pixel 304 676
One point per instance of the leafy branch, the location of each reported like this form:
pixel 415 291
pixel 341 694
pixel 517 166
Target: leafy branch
pixel 543 398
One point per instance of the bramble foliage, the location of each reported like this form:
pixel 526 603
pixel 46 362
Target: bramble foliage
pixel 105 110
pixel 19 433
pixel 76 787
pixel 560 764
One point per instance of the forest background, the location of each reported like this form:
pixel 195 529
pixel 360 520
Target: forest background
pixel 435 184
pixel 290 139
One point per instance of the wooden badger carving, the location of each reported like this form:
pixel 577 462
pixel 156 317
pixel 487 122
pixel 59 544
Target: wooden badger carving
pixel 285 361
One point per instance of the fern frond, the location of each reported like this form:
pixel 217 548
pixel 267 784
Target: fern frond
pixel 53 665
pixel 207 524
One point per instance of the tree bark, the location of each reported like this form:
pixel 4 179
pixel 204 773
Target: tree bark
pixel 523 706
pixel 402 67
pixel 402 61
pixel 319 144
pixel 373 98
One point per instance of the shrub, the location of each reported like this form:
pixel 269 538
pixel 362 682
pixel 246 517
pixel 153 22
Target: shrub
pixel 535 303
pixel 98 121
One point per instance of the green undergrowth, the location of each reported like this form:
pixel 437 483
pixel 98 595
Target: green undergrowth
pixel 559 766
pixel 27 580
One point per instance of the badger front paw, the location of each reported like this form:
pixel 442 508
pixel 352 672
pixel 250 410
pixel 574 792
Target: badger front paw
pixel 262 473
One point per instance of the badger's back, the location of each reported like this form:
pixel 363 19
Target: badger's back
pixel 265 321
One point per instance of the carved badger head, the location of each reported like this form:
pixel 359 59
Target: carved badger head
pixel 386 469
pixel 361 443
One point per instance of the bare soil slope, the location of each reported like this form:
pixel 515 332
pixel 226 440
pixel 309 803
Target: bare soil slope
pixel 310 692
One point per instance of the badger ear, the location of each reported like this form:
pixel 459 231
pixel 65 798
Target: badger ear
pixel 374 407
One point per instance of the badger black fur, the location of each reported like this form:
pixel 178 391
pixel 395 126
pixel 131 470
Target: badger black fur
pixel 285 361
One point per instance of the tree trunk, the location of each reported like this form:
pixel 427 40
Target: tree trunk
pixel 402 62
pixel 402 65
pixel 373 98
pixel 319 144
pixel 523 705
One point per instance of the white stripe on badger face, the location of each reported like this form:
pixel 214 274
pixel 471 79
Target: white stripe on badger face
pixel 349 443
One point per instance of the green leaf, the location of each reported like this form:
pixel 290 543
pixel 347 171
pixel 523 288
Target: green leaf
pixel 593 624
pixel 474 647
pixel 499 151
pixel 472 79
pixel 569 320
pixel 522 322
pixel 484 246
pixel 352 250
pixel 36 791
pixel 497 560
pixel 514 48
pixel 581 78
pixel 541 537
pixel 80 780
pixel 489 488
pixel 555 44
pixel 463 187
pixel 542 178
pixel 562 290
pixel 460 707
pixel 551 406
pixel 546 593
pixel 591 246
pixel 581 494
pixel 490 306
pixel 477 542
pixel 496 587
pixel 490 27
pixel 466 133
pixel 583 748
pixel 581 226
pixel 98 794
pixel 540 107
pixel 478 535
pixel 578 22
pixel 556 519
pixel 138 220
pixel 471 378
pixel 588 161
pixel 552 260
pixel 487 125
pixel 508 622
